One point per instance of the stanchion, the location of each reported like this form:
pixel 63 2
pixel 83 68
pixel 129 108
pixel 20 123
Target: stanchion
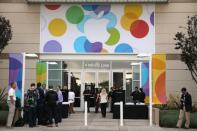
pixel 86 113
pixel 121 113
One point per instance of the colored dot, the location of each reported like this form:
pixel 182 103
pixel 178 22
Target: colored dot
pixel 89 7
pixel 114 36
pixel 52 46
pixel 123 48
pixel 79 44
pixel 57 27
pixel 152 18
pixel 136 9
pixel 74 14
pixel 139 29
pixel 52 7
pixel 127 20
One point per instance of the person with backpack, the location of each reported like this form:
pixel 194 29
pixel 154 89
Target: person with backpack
pixel 40 105
pixel 51 99
pixel 32 97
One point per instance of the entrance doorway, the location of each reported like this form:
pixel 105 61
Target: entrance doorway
pixel 95 75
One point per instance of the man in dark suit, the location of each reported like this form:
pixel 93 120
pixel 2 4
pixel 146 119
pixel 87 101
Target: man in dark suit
pixel 185 108
pixel 51 99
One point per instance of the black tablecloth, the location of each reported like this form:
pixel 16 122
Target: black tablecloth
pixel 65 108
pixel 131 112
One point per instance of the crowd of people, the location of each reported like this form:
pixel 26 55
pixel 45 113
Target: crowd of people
pixel 44 106
pixel 41 106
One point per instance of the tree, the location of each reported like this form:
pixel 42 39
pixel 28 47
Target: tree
pixel 5 32
pixel 187 43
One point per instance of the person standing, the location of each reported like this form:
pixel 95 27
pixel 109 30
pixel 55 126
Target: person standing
pixel 59 104
pixel 142 95
pixel 71 100
pixel 87 95
pixel 51 99
pixel 40 104
pixel 97 100
pixel 185 108
pixel 136 95
pixel 103 101
pixel 32 97
pixel 11 103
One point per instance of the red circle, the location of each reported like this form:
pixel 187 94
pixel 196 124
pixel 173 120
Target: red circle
pixel 52 7
pixel 139 28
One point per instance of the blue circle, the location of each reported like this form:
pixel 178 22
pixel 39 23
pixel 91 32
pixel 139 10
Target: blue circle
pixel 124 48
pixel 79 44
pixel 89 7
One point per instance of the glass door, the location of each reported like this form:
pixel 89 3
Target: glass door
pixel 89 84
pixel 75 84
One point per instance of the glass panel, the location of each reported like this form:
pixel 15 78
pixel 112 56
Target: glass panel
pixel 128 86
pixel 136 72
pixel 136 83
pixel 90 82
pixel 54 74
pixel 54 83
pixel 76 86
pixel 118 79
pixel 54 65
pixel 64 79
pixel 103 80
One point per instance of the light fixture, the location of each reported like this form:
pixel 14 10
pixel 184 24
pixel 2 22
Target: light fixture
pixel 134 63
pixel 141 55
pixel 52 63
pixel 31 55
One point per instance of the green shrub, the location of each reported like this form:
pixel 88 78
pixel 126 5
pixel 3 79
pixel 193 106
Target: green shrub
pixel 169 118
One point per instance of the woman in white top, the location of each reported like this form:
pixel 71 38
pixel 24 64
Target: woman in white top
pixel 103 101
pixel 71 100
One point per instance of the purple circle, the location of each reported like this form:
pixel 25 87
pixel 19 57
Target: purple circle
pixel 93 47
pixel 105 8
pixel 52 46
pixel 152 18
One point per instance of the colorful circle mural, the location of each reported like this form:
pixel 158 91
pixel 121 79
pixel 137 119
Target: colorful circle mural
pixel 99 28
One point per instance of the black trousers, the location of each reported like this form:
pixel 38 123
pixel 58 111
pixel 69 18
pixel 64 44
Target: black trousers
pixel 52 114
pixel 59 112
pixel 40 114
pixel 103 109
pixel 32 116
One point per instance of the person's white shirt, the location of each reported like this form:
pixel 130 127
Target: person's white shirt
pixel 71 96
pixel 103 97
pixel 11 92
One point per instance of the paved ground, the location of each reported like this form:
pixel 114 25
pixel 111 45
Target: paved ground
pixel 96 123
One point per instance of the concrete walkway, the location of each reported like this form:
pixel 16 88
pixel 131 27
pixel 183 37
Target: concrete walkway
pixel 96 123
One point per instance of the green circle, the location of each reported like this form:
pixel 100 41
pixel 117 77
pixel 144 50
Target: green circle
pixel 74 14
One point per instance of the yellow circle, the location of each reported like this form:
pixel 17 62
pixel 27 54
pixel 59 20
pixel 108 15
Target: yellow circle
pixel 57 27
pixel 136 9
pixel 127 20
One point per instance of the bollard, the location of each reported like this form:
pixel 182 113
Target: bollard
pixel 86 113
pixel 121 113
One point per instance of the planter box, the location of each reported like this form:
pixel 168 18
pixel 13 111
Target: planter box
pixel 169 118
pixel 3 118
pixel 156 116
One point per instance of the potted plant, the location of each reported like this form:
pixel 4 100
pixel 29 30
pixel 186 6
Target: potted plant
pixel 3 106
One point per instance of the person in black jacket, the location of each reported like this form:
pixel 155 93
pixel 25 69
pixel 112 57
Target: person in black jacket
pixel 185 108
pixel 51 99
pixel 40 104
